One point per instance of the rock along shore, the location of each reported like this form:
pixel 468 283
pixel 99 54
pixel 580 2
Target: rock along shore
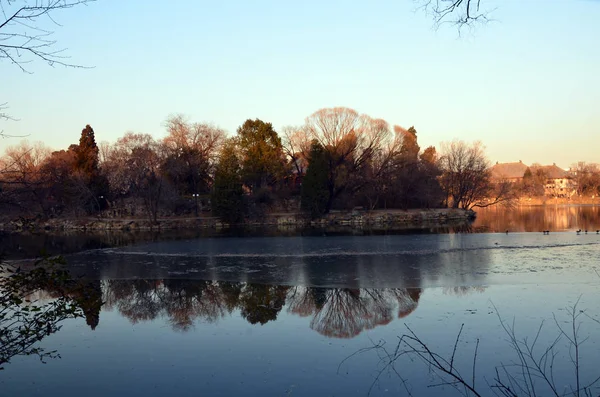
pixel 392 219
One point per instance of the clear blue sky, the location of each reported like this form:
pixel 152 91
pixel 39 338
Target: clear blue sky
pixel 527 85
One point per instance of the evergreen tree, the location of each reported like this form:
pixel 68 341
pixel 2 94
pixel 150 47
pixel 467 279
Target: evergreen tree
pixel 86 162
pixel 227 194
pixel 410 148
pixel 315 192
pixel 262 151
pixel 87 153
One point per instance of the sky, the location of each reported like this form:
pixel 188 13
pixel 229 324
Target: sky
pixel 526 84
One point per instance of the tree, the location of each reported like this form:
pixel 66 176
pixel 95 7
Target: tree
pixel 57 173
pixel 227 193
pixel 407 175
pixel 296 145
pixel 409 150
pixel 351 141
pixel 119 166
pixel 429 155
pixel 188 171
pixel 92 183
pixel 532 185
pixel 587 178
pixel 87 153
pixel 262 154
pixel 431 192
pixel 148 183
pixel 191 154
pixel 133 170
pixel 466 177
pixel 406 180
pixel 315 193
pixel 21 177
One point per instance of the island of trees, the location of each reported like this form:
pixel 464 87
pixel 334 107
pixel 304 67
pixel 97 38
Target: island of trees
pixel 338 160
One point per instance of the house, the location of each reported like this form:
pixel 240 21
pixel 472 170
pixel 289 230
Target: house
pixel 559 183
pixel 512 172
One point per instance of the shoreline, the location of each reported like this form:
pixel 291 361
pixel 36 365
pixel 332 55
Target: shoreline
pixel 541 201
pixel 378 219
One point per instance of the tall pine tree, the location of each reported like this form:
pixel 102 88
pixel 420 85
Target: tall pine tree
pixel 86 162
pixel 87 153
pixel 315 192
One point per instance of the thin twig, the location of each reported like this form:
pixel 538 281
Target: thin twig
pixel 455 345
pixel 475 361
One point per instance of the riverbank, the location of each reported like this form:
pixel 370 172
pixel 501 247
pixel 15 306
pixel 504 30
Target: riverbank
pixel 564 201
pixel 390 219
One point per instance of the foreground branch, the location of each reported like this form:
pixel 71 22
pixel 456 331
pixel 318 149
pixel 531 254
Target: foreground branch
pixel 23 37
pixel 456 12
pixel 531 374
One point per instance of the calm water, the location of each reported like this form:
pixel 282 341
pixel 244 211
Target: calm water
pixel 538 218
pixel 279 315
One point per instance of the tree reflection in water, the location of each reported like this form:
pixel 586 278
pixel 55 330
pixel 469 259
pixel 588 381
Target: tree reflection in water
pixel 262 303
pixel 35 301
pixel 182 301
pixel 538 218
pixel 335 312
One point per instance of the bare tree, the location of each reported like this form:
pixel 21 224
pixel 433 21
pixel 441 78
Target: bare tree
pixel 383 167
pixel 204 138
pixel 191 155
pixel 104 151
pixel 118 163
pixel 466 177
pixel 586 178
pixel 20 174
pixel 296 146
pixel 531 372
pixel 457 12
pixel 133 169
pixel 351 141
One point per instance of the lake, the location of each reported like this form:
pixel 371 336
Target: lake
pixel 311 315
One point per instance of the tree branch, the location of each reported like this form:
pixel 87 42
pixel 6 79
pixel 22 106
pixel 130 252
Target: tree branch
pixel 21 47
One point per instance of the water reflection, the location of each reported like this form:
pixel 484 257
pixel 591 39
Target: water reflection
pixel 345 285
pixel 345 313
pixel 333 312
pixel 34 303
pixel 538 218
pixel 340 262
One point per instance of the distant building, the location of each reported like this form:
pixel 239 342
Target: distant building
pixel 512 172
pixel 558 182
